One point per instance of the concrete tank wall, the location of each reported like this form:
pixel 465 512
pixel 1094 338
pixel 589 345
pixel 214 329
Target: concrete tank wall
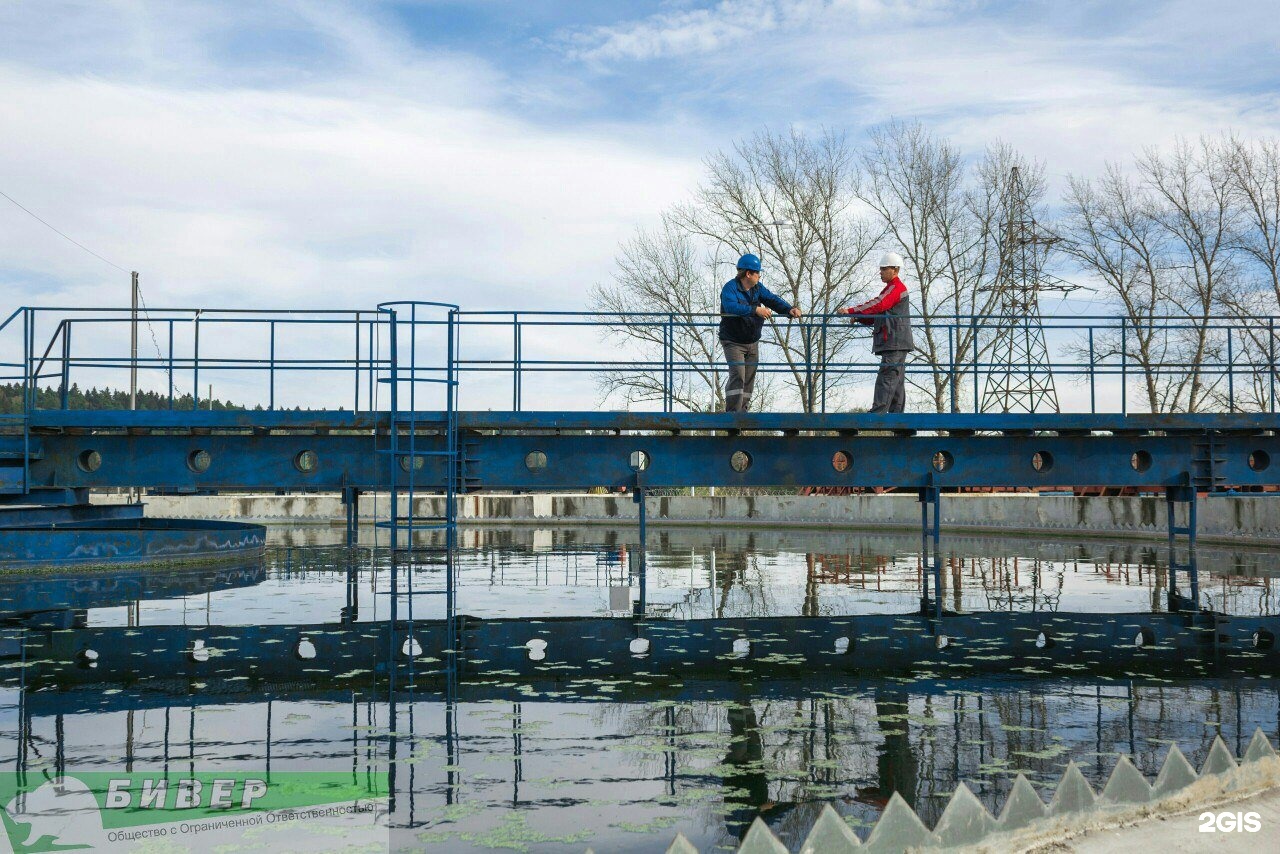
pixel 1242 517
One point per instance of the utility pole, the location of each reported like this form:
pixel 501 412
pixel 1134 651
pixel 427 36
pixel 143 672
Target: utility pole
pixel 133 345
pixel 134 493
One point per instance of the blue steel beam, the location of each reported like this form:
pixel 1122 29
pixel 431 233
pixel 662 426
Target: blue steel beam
pixel 257 462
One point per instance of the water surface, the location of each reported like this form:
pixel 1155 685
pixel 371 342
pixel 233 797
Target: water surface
pixel 621 763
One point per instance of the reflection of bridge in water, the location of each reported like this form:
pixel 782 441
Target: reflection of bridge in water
pixel 807 714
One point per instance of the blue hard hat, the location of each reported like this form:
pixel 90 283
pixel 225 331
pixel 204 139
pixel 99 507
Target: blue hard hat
pixel 749 262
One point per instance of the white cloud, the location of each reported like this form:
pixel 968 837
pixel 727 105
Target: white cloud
pixel 250 199
pixel 1073 96
pixel 237 196
pixel 734 28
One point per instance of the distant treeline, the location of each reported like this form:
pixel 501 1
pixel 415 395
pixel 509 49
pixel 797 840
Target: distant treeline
pixel 100 398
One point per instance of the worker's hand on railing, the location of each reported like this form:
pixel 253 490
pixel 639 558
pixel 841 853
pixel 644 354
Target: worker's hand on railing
pixel 764 311
pixel 795 312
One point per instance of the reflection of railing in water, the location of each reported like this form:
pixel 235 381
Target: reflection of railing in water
pixel 1006 582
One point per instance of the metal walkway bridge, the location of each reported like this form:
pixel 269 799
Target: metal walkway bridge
pixel 384 391
pixel 344 399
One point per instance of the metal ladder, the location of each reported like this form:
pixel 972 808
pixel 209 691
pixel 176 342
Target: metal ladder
pixel 414 466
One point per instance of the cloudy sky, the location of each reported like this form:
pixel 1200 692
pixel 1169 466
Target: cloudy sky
pixel 330 154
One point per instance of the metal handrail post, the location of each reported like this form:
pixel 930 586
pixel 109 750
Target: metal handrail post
pixel 1231 376
pixel 669 356
pixel 1124 367
pixel 171 364
pixel 973 343
pixel 195 365
pixel 26 361
pixel 65 390
pixel 1093 379
pixel 824 366
pixel 1271 348
pixel 271 370
pixel 28 332
pixel 951 367
pixel 515 361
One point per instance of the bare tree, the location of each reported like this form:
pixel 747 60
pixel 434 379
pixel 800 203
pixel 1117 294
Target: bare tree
pixel 948 221
pixel 1253 169
pixel 790 199
pixel 1113 231
pixel 1164 244
pixel 663 273
pixel 663 303
pixel 1198 213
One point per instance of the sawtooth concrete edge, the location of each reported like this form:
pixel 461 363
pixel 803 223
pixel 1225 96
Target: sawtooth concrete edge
pixel 1127 799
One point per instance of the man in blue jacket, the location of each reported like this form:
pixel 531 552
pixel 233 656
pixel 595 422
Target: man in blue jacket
pixel 745 305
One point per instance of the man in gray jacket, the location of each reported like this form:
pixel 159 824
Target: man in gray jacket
pixel 889 315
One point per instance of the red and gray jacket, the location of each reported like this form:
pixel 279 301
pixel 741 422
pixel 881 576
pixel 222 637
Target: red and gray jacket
pixel 889 314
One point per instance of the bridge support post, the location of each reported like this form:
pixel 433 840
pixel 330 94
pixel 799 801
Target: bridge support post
pixel 637 495
pixel 930 547
pixel 351 504
pixel 350 612
pixel 1184 494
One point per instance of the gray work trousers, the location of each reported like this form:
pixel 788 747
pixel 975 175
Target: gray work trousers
pixel 891 382
pixel 742 359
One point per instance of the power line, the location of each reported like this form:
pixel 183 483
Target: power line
pixel 152 329
pixel 67 237
pixel 60 233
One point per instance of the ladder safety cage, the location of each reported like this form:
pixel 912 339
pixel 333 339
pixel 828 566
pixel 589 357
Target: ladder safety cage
pixel 417 464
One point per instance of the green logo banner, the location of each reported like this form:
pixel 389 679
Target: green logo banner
pixel 104 810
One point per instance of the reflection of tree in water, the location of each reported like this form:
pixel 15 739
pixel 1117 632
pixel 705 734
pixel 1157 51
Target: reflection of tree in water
pixel 743 570
pixel 726 761
pixel 782 760
pixel 746 785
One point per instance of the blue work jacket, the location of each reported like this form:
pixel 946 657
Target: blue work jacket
pixel 738 321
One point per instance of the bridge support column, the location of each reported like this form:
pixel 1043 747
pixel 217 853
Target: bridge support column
pixel 351 504
pixel 637 495
pixel 1184 494
pixel 930 547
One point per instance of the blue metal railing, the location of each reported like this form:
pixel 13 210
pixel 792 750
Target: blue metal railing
pixel 663 355
pixel 20 418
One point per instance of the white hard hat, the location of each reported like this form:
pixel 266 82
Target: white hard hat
pixel 891 259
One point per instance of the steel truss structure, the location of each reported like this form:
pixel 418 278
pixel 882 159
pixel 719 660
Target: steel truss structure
pixel 1026 383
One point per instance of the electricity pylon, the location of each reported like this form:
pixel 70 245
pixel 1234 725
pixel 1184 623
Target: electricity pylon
pixel 1021 377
